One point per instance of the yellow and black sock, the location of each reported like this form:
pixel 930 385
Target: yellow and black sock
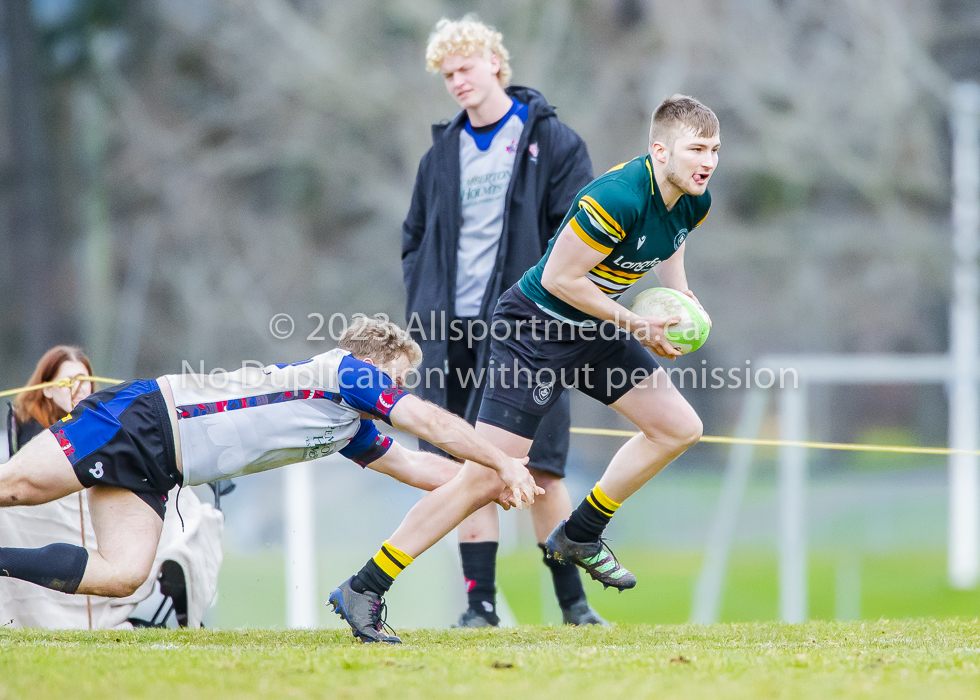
pixel 587 522
pixel 381 570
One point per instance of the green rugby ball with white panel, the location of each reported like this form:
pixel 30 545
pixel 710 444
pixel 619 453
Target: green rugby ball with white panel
pixel 661 302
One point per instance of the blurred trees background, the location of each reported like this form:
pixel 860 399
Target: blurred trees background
pixel 175 172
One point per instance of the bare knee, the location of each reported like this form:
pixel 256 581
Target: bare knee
pixel 489 490
pixel 482 484
pixel 681 432
pixel 693 429
pixel 545 480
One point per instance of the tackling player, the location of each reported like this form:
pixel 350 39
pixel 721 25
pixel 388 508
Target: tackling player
pixel 565 328
pixel 132 443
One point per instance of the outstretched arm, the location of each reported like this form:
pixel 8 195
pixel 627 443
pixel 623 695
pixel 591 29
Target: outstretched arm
pixel 457 437
pixel 423 470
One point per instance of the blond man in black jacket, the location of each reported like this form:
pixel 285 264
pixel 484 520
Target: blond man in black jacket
pixel 489 194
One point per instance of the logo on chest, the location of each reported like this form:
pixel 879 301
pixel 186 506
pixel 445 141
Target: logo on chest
pixel 679 238
pixel 638 266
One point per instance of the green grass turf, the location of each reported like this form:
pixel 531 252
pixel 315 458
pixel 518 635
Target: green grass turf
pixel 892 585
pixel 918 658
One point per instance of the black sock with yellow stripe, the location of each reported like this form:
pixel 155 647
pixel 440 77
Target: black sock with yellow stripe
pixel 380 571
pixel 587 522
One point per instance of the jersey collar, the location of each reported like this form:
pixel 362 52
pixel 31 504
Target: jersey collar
pixel 658 200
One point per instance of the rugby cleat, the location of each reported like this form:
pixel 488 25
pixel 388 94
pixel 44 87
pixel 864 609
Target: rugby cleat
pixel 364 612
pixel 596 558
pixel 474 618
pixel 580 614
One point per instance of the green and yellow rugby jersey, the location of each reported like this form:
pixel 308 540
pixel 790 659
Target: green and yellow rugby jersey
pixel 621 214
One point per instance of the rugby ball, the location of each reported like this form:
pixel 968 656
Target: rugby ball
pixel 660 302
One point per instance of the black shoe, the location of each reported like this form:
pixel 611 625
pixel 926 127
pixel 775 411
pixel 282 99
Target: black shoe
pixel 477 618
pixel 364 612
pixel 581 613
pixel 595 557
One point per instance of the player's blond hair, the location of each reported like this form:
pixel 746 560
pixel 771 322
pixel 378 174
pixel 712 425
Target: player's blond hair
pixel 465 37
pixel 681 112
pixel 379 339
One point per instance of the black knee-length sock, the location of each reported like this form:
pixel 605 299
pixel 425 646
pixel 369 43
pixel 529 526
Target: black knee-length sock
pixel 479 561
pixel 58 566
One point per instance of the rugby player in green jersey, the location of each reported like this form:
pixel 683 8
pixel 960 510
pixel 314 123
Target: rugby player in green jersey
pixel 561 326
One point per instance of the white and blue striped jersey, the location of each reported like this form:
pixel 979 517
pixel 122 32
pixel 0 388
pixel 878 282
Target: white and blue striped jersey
pixel 258 418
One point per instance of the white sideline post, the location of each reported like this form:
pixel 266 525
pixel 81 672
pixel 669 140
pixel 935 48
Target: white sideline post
pixel 964 341
pixel 792 506
pixel 711 583
pixel 298 531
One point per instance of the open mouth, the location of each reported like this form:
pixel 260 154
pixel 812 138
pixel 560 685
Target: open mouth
pixel 701 178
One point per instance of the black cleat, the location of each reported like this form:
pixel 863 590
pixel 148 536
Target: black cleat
pixel 364 612
pixel 595 557
pixel 474 618
pixel 580 614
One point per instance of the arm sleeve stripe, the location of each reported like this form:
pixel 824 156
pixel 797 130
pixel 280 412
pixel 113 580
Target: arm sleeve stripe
pixel 599 224
pixel 619 273
pixel 586 199
pixel 580 232
pixel 612 277
pixel 605 290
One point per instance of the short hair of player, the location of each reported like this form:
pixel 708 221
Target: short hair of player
pixel 379 339
pixel 681 112
pixel 465 37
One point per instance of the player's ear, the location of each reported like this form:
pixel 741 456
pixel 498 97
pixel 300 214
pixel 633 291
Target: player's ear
pixel 659 151
pixel 368 360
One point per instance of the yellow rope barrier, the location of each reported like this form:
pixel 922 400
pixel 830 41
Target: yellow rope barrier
pixel 67 381
pixel 793 443
pixel 606 432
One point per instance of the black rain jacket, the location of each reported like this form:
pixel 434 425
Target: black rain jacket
pixel 551 166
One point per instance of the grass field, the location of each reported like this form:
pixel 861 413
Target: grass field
pixel 892 585
pixel 919 658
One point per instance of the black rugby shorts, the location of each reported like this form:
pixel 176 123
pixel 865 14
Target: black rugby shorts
pixel 122 436
pixel 535 357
